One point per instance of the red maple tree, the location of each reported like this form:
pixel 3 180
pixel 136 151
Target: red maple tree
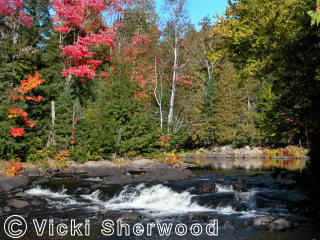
pixel 74 16
pixel 14 9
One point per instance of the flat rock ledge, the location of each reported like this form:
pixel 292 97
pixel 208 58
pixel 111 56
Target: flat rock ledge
pixel 144 170
pixel 137 171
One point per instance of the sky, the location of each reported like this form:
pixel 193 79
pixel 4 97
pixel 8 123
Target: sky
pixel 198 9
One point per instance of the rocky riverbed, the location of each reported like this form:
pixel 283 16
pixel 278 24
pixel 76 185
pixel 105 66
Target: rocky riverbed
pixel 142 170
pixel 247 204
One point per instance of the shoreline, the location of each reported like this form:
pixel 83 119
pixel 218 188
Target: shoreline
pixel 138 171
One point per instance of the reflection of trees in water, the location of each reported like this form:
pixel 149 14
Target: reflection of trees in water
pixel 290 164
pixel 249 163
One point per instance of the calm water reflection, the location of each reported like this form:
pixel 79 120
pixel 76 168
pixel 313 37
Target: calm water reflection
pixel 250 163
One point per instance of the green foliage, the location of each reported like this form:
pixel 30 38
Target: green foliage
pixel 315 15
pixel 269 118
pixel 251 78
pixel 228 105
pixel 116 112
pixel 271 46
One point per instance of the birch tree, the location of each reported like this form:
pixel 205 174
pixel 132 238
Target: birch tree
pixel 176 27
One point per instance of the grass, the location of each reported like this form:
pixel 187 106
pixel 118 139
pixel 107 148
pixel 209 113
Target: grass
pixel 290 151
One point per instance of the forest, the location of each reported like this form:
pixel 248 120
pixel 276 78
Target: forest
pixel 102 102
pixel 99 79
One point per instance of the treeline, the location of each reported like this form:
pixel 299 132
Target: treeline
pixel 135 84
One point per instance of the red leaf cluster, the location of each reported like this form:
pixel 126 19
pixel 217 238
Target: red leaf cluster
pixel 17 132
pixel 12 8
pixel 138 52
pixel 75 14
pixel 80 71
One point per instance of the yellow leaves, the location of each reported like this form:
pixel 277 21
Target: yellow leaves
pixel 257 25
pixel 172 158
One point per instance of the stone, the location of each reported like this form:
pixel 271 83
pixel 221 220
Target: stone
pixel 21 195
pixel 6 209
pixel 16 203
pixel 261 221
pixel 33 172
pixel 239 185
pixel 10 183
pixel 280 224
pixel 209 187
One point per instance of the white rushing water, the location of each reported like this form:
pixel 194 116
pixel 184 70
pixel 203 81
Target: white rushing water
pixel 47 193
pixel 156 200
pixel 224 188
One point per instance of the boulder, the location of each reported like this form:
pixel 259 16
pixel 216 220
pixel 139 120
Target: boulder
pixel 209 187
pixel 10 183
pixel 219 199
pixel 21 195
pixel 33 172
pixel 261 221
pixel 6 209
pixel 16 203
pixel 280 224
pixel 239 185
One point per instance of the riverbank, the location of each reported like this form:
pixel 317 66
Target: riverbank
pixel 289 152
pixel 141 170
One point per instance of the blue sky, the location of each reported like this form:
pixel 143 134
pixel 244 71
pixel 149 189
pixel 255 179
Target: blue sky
pixel 198 9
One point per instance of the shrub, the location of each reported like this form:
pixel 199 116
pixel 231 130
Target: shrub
pixel 13 168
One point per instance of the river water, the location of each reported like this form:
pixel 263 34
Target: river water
pixel 270 194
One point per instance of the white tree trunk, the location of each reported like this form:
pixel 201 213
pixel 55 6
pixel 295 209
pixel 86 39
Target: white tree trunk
pixel 158 97
pixel 175 67
pixel 53 117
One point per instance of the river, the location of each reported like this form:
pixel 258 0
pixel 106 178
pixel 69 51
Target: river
pixel 270 193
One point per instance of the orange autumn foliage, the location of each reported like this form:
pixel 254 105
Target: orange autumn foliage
pixel 13 168
pixel 31 83
pixel 172 159
pixel 17 113
pixel 26 85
